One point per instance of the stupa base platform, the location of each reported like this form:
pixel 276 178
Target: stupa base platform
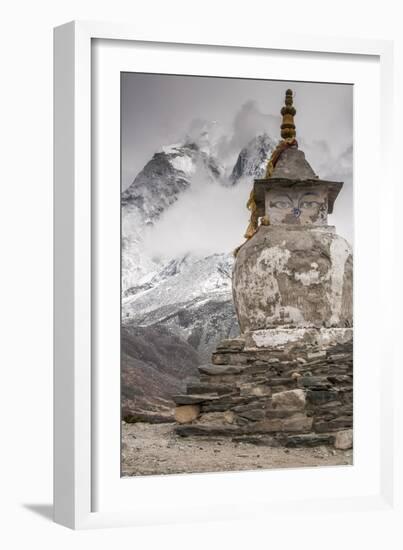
pixel 276 387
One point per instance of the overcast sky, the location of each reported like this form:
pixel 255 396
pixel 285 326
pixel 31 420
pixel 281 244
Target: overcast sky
pixel 161 109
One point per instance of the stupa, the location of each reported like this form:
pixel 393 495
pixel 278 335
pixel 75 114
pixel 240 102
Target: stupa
pixel 287 379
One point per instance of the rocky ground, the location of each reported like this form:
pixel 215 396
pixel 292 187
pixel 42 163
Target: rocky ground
pixel 153 449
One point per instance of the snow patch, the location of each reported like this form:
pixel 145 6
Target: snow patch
pixel 174 148
pixel 183 163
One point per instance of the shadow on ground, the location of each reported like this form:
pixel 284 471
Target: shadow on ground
pixel 43 510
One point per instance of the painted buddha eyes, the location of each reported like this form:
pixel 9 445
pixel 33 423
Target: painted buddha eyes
pixel 281 204
pixel 309 204
pixel 296 206
pixel 284 204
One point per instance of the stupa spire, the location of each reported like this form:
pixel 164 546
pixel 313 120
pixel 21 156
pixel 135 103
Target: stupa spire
pixel 288 133
pixel 288 112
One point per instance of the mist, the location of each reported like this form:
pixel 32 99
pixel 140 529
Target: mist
pixel 208 218
pixel 223 115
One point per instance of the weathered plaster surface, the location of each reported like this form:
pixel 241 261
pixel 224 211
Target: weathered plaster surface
pixel 291 277
pixel 281 338
pixel 340 252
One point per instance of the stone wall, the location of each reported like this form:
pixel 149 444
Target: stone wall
pixel 292 392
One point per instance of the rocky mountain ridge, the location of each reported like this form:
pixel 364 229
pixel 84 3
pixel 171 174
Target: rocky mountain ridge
pixel 252 159
pixel 189 296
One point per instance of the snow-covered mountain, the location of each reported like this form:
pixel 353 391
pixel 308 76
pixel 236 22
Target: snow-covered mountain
pixel 192 297
pixel 159 185
pixel 166 176
pixel 252 160
pixel 189 296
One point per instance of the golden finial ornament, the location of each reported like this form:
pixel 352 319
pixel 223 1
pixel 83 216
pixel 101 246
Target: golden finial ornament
pixel 288 112
pixel 288 133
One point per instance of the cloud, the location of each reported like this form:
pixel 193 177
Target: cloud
pixel 211 218
pixel 248 122
pixel 208 218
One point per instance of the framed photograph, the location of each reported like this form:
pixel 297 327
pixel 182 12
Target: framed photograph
pixel 222 260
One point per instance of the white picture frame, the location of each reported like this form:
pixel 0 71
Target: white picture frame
pixel 87 491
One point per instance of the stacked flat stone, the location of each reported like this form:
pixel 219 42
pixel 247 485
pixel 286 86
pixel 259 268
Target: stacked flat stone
pixel 291 395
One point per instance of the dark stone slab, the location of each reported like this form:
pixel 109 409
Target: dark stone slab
pixel 187 399
pixel 341 358
pixel 149 417
pixel 333 425
pixel 279 381
pixel 280 413
pixel 252 414
pixel 226 403
pixel 341 379
pixel 199 388
pixel 234 344
pixel 309 440
pixel 317 397
pixel 325 406
pixel 317 382
pixel 230 358
pixel 214 370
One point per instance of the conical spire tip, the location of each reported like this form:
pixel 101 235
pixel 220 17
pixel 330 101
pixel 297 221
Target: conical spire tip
pixel 288 112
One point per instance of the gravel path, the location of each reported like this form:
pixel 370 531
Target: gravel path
pixel 152 449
